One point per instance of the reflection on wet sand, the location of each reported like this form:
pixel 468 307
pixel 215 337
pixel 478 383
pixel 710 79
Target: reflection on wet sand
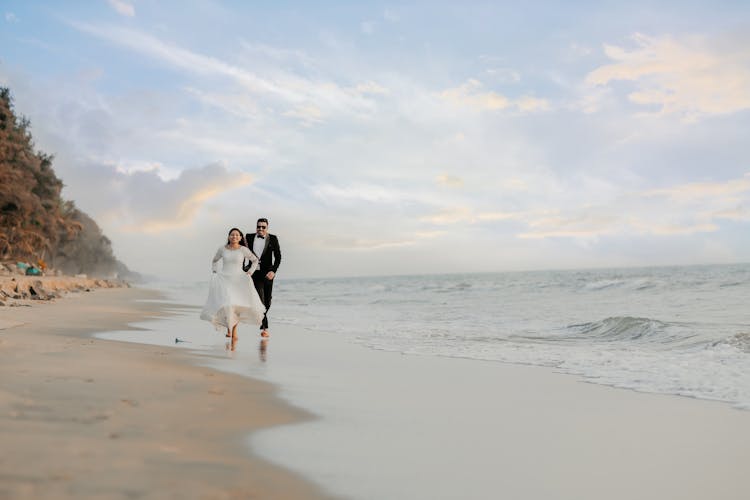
pixel 263 350
pixel 231 346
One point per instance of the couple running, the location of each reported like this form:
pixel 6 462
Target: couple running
pixel 232 297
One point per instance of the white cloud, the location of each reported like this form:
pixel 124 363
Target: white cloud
pixel 122 8
pixel 330 193
pixel 529 104
pixel 276 54
pixel 291 90
pixel 503 75
pixel 739 213
pixel 705 190
pixel 449 181
pixel 497 70
pixel 141 201
pixel 344 243
pixel 472 94
pixel 370 88
pixel 307 114
pixel 11 17
pixel 687 77
pixel 683 209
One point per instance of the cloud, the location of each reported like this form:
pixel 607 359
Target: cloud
pixel 356 243
pixel 11 17
pixel 297 94
pixel 678 210
pixel 370 88
pixel 689 78
pixel 504 75
pixel 497 70
pixel 739 213
pixel 277 54
pixel 344 243
pixel 704 190
pixel 307 114
pixel 468 215
pixel 585 224
pixel 370 193
pixel 472 94
pixel 122 8
pixel 449 181
pixel 674 229
pixel 139 200
pixel 528 104
pixel 453 215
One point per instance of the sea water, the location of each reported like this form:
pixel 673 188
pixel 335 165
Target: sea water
pixel 672 330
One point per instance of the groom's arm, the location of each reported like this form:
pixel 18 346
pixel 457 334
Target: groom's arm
pixel 246 267
pixel 276 254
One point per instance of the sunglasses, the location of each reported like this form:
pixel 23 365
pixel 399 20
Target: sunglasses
pixel 261 227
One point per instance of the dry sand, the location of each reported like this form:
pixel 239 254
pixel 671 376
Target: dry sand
pixel 89 418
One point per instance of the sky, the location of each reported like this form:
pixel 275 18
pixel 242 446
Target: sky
pixel 386 138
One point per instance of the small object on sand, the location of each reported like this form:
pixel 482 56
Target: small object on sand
pixel 178 340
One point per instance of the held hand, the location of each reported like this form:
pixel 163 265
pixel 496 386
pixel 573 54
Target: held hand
pixel 270 275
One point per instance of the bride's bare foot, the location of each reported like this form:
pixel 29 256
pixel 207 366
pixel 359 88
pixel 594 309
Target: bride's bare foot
pixel 264 333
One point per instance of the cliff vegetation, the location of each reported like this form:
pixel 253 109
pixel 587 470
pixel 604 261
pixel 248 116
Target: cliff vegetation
pixel 37 225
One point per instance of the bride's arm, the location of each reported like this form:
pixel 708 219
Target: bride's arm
pixel 252 258
pixel 216 259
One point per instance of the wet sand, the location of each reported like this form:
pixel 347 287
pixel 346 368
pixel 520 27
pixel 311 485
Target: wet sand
pixel 90 418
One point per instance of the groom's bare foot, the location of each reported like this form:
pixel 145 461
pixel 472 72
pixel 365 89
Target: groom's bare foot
pixel 264 333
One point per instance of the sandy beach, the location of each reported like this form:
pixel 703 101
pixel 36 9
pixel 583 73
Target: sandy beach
pixel 89 418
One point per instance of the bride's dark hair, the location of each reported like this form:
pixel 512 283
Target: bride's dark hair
pixel 242 238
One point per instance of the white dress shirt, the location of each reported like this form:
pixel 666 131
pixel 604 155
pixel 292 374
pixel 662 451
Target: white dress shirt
pixel 258 245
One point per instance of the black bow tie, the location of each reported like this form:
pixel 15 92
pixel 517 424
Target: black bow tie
pixel 261 237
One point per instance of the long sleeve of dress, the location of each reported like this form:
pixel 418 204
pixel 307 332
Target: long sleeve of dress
pixel 252 258
pixel 216 259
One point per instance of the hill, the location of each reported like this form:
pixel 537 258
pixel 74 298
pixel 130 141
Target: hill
pixel 36 224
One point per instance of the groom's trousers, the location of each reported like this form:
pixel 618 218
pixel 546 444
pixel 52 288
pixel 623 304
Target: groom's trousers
pixel 264 287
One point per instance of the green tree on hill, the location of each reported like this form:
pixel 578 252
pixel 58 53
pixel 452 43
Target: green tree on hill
pixel 36 223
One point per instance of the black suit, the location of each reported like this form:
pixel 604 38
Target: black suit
pixel 269 258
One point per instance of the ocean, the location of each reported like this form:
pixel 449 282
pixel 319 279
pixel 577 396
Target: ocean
pixel 671 330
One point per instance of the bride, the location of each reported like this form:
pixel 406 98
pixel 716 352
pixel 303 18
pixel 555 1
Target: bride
pixel 231 295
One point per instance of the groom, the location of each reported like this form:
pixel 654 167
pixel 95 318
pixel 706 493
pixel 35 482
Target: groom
pixel 266 247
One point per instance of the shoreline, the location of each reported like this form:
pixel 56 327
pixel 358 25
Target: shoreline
pixel 83 417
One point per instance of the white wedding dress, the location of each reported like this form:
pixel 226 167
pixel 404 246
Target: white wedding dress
pixel 231 295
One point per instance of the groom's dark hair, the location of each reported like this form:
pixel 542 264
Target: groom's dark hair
pixel 262 219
